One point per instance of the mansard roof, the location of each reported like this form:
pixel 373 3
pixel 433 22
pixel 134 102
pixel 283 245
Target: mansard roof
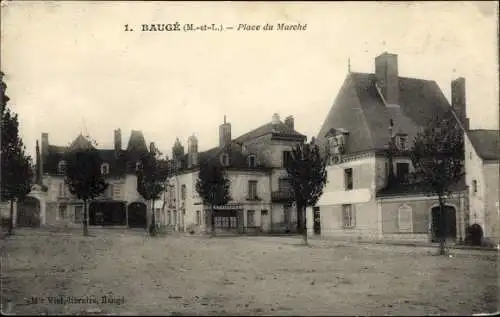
pixel 359 109
pixel 120 162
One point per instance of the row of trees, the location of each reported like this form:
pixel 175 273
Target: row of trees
pixel 437 155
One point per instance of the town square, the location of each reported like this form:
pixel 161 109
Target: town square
pixel 347 166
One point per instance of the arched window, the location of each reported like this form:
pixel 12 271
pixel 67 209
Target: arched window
pixel 105 169
pixel 61 168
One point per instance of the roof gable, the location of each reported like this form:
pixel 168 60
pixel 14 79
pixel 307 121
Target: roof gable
pixel 360 109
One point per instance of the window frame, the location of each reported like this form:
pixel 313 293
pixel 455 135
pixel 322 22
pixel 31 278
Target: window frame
pixel 349 214
pixel 348 174
pixel 253 223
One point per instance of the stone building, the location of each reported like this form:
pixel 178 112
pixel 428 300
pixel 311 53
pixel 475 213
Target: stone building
pixel 52 204
pixel 358 202
pixel 254 164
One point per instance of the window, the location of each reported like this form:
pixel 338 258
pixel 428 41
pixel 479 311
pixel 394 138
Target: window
pixel 224 159
pixel 78 214
pixel 183 192
pixel 264 212
pixel 110 191
pixel 348 216
pixel 62 212
pixel 405 214
pixel 474 187
pixel 402 170
pixel 61 190
pixel 403 142
pixel 105 169
pixel 61 168
pixel 198 217
pixel 251 161
pixel 251 218
pixel 138 166
pixel 286 214
pixel 348 178
pixel 470 155
pixel 252 190
pixel 287 157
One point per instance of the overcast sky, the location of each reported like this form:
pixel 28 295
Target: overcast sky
pixel 70 66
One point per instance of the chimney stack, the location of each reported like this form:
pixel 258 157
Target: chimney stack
pixel 118 140
pixel 386 72
pixel 45 144
pixel 192 151
pixel 289 122
pixel 224 133
pixel 458 100
pixel 276 118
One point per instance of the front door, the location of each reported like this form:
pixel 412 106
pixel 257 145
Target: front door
pixel 444 223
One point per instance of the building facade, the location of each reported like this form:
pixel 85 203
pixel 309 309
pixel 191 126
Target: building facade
pixel 366 138
pixel 254 163
pixel 482 157
pixel 51 203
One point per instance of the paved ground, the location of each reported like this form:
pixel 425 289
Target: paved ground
pixel 177 275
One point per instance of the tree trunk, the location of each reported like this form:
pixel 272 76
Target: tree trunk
pixel 85 219
pixel 304 212
pixel 442 225
pixel 212 219
pixel 11 222
pixel 299 217
pixel 152 230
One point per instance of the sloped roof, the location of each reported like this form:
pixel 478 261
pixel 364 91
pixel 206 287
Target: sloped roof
pixel 120 162
pixel 280 129
pixel 137 143
pixel 359 109
pixel 486 143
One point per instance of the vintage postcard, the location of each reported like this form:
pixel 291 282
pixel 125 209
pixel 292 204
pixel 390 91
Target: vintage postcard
pixel 249 158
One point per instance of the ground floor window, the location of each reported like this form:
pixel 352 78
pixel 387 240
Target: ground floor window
pixel 226 222
pixel 198 217
pixel 62 212
pixel 348 216
pixel 251 218
pixel 78 214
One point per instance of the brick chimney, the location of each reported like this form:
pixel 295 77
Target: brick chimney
pixel 458 100
pixel 289 122
pixel 224 133
pixel 118 140
pixel 386 72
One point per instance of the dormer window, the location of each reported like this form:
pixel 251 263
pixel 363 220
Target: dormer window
pixel 224 159
pixel 105 169
pixel 252 162
pixel 402 142
pixel 138 166
pixel 337 140
pixel 61 168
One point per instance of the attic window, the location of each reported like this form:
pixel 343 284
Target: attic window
pixel 105 169
pixel 252 161
pixel 402 142
pixel 224 159
pixel 61 168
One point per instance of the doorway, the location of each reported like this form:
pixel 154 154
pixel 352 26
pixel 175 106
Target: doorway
pixel 444 223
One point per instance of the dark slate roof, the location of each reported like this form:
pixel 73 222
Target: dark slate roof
pixel 137 143
pixel 279 130
pixel 359 109
pixel 486 143
pixel 238 160
pixel 120 162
